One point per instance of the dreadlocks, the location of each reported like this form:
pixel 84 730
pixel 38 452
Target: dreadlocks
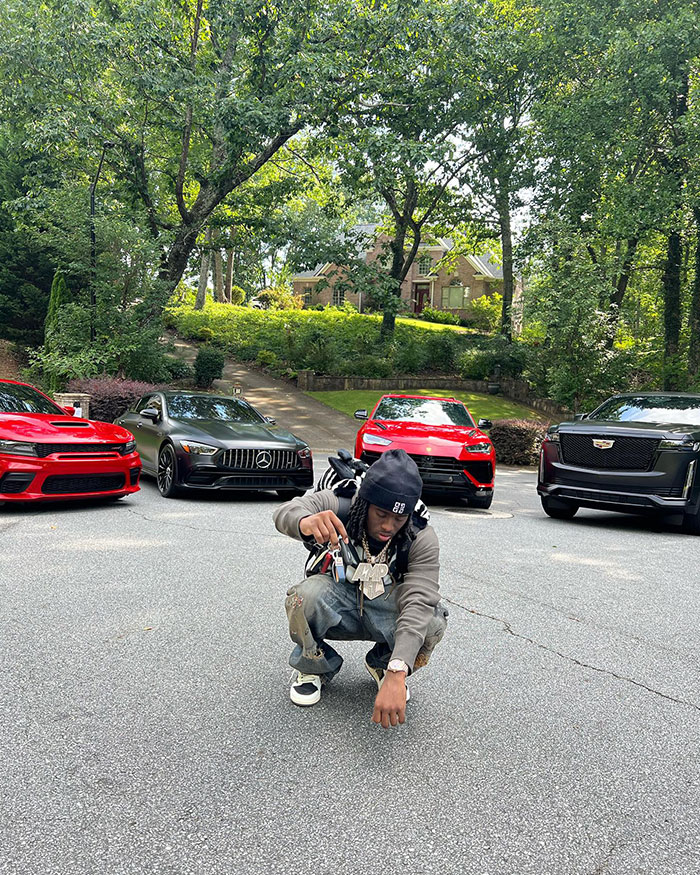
pixel 357 524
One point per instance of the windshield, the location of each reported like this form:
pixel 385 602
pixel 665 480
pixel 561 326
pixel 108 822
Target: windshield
pixel 429 411
pixel 204 407
pixel 650 408
pixel 24 399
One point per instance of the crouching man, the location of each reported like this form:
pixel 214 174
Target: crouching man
pixel 388 592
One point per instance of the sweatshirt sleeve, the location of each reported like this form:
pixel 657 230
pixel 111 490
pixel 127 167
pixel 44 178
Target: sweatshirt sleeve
pixel 288 516
pixel 417 596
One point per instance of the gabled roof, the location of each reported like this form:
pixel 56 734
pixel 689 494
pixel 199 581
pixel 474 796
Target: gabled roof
pixel 487 265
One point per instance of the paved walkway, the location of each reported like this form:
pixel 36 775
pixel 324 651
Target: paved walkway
pixel 324 429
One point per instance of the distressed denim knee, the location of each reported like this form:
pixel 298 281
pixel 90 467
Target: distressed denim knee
pixel 433 636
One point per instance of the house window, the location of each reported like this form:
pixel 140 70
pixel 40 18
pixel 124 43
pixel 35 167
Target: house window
pixel 425 265
pixel 308 292
pixel 338 297
pixel 454 297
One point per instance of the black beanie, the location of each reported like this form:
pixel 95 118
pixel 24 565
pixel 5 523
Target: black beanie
pixel 393 482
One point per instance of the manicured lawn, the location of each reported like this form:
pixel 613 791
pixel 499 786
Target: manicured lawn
pixel 480 406
pixel 436 326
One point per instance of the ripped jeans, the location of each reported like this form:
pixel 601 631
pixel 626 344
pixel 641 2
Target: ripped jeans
pixel 320 608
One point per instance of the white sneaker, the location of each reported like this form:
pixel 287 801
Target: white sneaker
pixel 306 689
pixel 378 675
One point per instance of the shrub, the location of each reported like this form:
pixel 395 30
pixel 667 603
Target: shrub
pixel 480 362
pixel 266 358
pixel 369 366
pixel 441 350
pixel 517 441
pixel 109 397
pixel 442 317
pixel 208 366
pixel 177 369
pixel 485 311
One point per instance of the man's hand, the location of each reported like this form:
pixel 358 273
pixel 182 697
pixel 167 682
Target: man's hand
pixel 390 704
pixel 325 527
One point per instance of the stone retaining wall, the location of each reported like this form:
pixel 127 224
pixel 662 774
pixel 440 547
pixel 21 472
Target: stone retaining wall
pixel 515 390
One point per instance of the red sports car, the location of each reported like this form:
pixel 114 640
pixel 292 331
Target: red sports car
pixel 452 453
pixel 47 453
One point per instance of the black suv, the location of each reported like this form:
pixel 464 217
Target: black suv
pixel 635 454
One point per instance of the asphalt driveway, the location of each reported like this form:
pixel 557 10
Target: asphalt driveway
pixel 145 725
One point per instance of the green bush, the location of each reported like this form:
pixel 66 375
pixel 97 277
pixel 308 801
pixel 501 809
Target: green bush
pixel 208 366
pixel 332 341
pixel 442 317
pixel 517 441
pixel 485 311
pixel 177 369
pixel 480 362
pixel 266 358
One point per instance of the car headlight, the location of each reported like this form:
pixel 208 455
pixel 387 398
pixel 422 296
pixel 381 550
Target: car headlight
pixel 552 437
pixel 17 448
pixel 484 447
pixel 375 439
pixel 675 444
pixel 304 453
pixel 197 449
pixel 129 447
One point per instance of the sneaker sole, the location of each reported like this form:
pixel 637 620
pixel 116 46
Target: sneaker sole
pixel 304 701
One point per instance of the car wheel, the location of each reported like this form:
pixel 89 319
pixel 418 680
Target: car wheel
pixel 288 494
pixel 483 502
pixel 558 510
pixel 691 523
pixel 166 477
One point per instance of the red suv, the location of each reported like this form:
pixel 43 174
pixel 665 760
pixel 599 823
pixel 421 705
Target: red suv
pixel 47 453
pixel 452 453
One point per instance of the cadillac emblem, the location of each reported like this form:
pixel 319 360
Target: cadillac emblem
pixel 263 459
pixel 601 444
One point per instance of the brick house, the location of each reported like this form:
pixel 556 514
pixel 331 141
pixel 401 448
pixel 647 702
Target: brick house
pixel 449 288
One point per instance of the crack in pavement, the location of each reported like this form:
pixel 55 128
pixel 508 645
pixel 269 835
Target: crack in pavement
pixel 572 659
pixel 204 528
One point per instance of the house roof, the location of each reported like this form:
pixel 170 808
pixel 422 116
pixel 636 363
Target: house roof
pixel 486 265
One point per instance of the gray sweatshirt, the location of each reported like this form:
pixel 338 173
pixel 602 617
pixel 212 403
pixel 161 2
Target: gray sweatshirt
pixel 416 596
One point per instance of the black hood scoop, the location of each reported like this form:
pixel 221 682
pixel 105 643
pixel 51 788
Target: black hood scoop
pixel 71 424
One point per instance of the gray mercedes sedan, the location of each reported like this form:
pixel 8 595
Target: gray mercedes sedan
pixel 192 441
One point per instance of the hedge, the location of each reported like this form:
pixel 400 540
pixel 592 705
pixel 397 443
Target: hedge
pixel 517 441
pixel 330 341
pixel 109 398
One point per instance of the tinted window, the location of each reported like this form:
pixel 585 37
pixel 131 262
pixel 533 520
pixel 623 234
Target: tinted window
pixel 24 399
pixel 655 409
pixel 199 407
pixel 427 410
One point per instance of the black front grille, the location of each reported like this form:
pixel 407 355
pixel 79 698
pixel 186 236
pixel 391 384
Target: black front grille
pixel 607 497
pixel 44 450
pixel 637 489
pixel 62 484
pixel 626 453
pixel 259 459
pixel 480 470
pixel 15 482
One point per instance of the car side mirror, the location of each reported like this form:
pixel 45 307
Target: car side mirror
pixel 485 423
pixel 271 420
pixel 361 414
pixel 579 416
pixel 150 413
pixel 69 410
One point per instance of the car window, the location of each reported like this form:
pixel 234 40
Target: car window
pixel 24 399
pixel 648 408
pixel 430 411
pixel 212 407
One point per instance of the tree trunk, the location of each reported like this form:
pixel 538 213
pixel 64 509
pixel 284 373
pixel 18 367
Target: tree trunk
pixel 228 283
pixel 218 276
pixel 672 309
pixel 694 316
pixel 204 272
pixel 395 272
pixel 621 282
pixel 503 207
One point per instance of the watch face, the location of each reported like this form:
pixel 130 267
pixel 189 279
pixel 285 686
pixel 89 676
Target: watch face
pixel 397 665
